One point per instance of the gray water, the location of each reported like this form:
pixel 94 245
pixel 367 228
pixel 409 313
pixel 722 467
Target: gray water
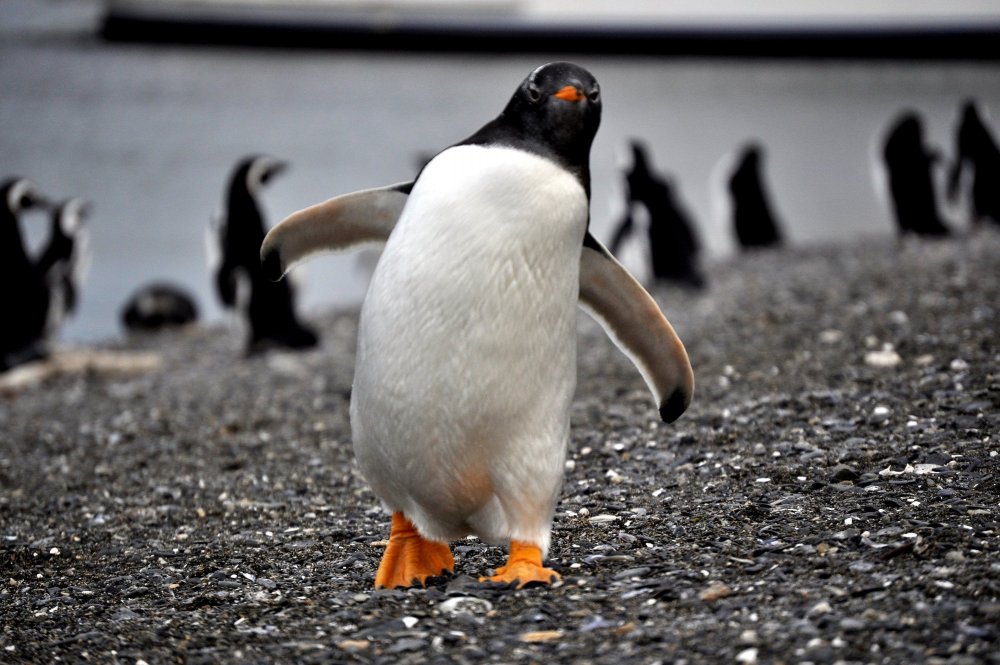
pixel 149 135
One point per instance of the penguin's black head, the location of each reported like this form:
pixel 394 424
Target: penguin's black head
pixel 554 113
pixel 558 105
pixel 255 171
pixel 20 194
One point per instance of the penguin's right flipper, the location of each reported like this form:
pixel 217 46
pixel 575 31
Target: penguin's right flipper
pixel 341 222
pixel 633 320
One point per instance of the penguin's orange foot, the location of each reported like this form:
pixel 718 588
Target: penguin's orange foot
pixel 410 558
pixel 524 566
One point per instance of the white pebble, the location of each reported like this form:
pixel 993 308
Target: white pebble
pixel 747 656
pixel 959 365
pixel 822 607
pixel 887 357
pixel 831 336
pixel 469 604
pixel 603 518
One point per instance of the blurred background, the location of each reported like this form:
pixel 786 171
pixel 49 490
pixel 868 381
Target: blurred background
pixel 144 107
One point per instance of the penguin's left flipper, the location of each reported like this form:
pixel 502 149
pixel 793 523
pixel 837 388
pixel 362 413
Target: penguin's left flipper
pixel 336 224
pixel 633 320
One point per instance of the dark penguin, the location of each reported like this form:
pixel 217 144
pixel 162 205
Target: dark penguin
pixel 673 244
pixel 909 165
pixel 268 306
pixel 753 220
pixel 26 293
pixel 157 306
pixel 976 149
pixel 65 260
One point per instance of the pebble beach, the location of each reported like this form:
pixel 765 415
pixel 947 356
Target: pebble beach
pixel 831 496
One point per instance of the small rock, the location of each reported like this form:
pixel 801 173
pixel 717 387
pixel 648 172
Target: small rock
pixel 959 365
pixel 595 623
pixel 887 357
pixel 880 414
pixel 821 607
pixel 603 518
pixel 541 636
pixel 408 644
pixel 747 656
pixel 466 604
pixel 124 614
pixel 831 336
pixel 353 645
pixel 852 625
pixel 715 591
pixel 842 473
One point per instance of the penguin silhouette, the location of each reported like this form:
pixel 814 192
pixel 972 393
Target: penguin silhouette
pixel 268 306
pixel 26 293
pixel 753 219
pixel 157 306
pixel 65 260
pixel 673 243
pixel 976 150
pixel 909 165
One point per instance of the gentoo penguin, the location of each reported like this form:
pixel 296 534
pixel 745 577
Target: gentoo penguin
pixel 909 165
pixel 466 357
pixel 673 244
pixel 65 260
pixel 976 150
pixel 157 306
pixel 26 293
pixel 269 307
pixel 753 220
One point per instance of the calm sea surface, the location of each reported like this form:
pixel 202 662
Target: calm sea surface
pixel 149 136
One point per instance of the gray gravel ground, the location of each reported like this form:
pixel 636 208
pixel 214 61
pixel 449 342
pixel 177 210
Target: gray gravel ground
pixel 826 499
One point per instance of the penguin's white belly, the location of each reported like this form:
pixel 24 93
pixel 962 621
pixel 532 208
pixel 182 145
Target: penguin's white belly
pixel 466 361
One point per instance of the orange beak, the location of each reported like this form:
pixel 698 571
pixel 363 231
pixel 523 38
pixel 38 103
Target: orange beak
pixel 570 93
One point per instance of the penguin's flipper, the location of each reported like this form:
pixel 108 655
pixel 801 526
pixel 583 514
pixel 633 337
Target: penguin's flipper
pixel 633 320
pixel 341 222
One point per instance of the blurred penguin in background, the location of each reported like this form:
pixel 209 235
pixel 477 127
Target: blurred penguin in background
pixel 65 260
pixel 673 243
pixel 38 293
pixel 268 307
pixel 909 165
pixel 753 218
pixel 158 306
pixel 976 151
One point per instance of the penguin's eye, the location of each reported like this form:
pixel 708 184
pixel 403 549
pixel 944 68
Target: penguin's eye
pixel 534 94
pixel 595 95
